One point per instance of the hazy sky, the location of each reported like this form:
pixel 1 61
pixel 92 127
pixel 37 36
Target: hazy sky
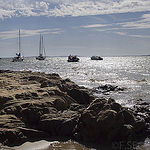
pixel 82 27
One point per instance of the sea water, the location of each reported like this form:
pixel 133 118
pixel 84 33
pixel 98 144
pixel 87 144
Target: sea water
pixel 132 73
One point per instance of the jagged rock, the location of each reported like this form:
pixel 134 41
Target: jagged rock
pixel 115 106
pixel 32 133
pixel 60 104
pixel 4 99
pixel 97 105
pixel 128 116
pixel 80 96
pixel 26 95
pixel 36 105
pixel 9 134
pixel 105 89
pixel 59 124
pixel 77 107
pixel 107 126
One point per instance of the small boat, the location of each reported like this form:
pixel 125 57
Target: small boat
pixel 19 56
pixel 96 58
pixel 42 54
pixel 73 58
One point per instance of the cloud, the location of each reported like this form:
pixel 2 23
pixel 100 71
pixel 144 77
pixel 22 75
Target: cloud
pixel 132 35
pixel 120 33
pixel 140 24
pixel 12 8
pixel 140 36
pixel 27 33
pixel 94 26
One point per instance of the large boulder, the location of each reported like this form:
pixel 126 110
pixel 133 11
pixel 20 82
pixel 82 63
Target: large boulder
pixel 105 125
pixel 59 124
pixel 81 96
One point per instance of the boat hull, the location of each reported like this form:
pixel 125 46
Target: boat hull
pixel 96 58
pixel 73 59
pixel 40 58
pixel 69 60
pixel 17 59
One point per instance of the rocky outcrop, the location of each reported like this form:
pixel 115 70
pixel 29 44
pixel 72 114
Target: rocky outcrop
pixel 102 122
pixel 106 89
pixel 39 106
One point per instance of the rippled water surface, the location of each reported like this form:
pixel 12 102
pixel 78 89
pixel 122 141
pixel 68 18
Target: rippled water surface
pixel 131 73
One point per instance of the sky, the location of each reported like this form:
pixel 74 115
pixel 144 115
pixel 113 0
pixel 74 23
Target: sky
pixel 78 27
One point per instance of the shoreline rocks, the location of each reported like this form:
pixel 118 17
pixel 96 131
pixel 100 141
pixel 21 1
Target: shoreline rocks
pixel 35 106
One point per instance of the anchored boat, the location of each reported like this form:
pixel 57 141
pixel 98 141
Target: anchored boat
pixel 73 58
pixel 19 56
pixel 96 58
pixel 42 54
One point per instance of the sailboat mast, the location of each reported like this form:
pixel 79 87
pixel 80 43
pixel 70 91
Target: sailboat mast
pixel 19 42
pixel 40 46
pixel 43 50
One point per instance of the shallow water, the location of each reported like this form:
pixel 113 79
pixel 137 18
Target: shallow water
pixel 45 145
pixel 71 145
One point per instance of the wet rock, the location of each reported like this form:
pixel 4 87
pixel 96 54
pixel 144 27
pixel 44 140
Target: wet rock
pixel 47 84
pixel 126 133
pixel 97 105
pixel 59 124
pixel 11 137
pixel 9 134
pixel 36 78
pixel 76 107
pixel 32 133
pixel 6 71
pixel 4 100
pixel 139 126
pixel 108 125
pixel 105 89
pixel 60 104
pixel 26 95
pixel 128 116
pixel 115 106
pixel 80 96
pixel 110 101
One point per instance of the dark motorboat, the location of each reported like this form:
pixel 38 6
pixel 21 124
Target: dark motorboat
pixel 19 56
pixel 73 58
pixel 42 54
pixel 96 58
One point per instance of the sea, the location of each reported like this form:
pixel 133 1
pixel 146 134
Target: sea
pixel 132 73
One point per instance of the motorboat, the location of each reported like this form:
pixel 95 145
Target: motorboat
pixel 73 58
pixel 96 58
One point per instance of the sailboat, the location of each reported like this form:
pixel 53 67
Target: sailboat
pixel 42 54
pixel 19 56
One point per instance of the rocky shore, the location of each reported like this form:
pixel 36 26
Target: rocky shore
pixel 35 106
